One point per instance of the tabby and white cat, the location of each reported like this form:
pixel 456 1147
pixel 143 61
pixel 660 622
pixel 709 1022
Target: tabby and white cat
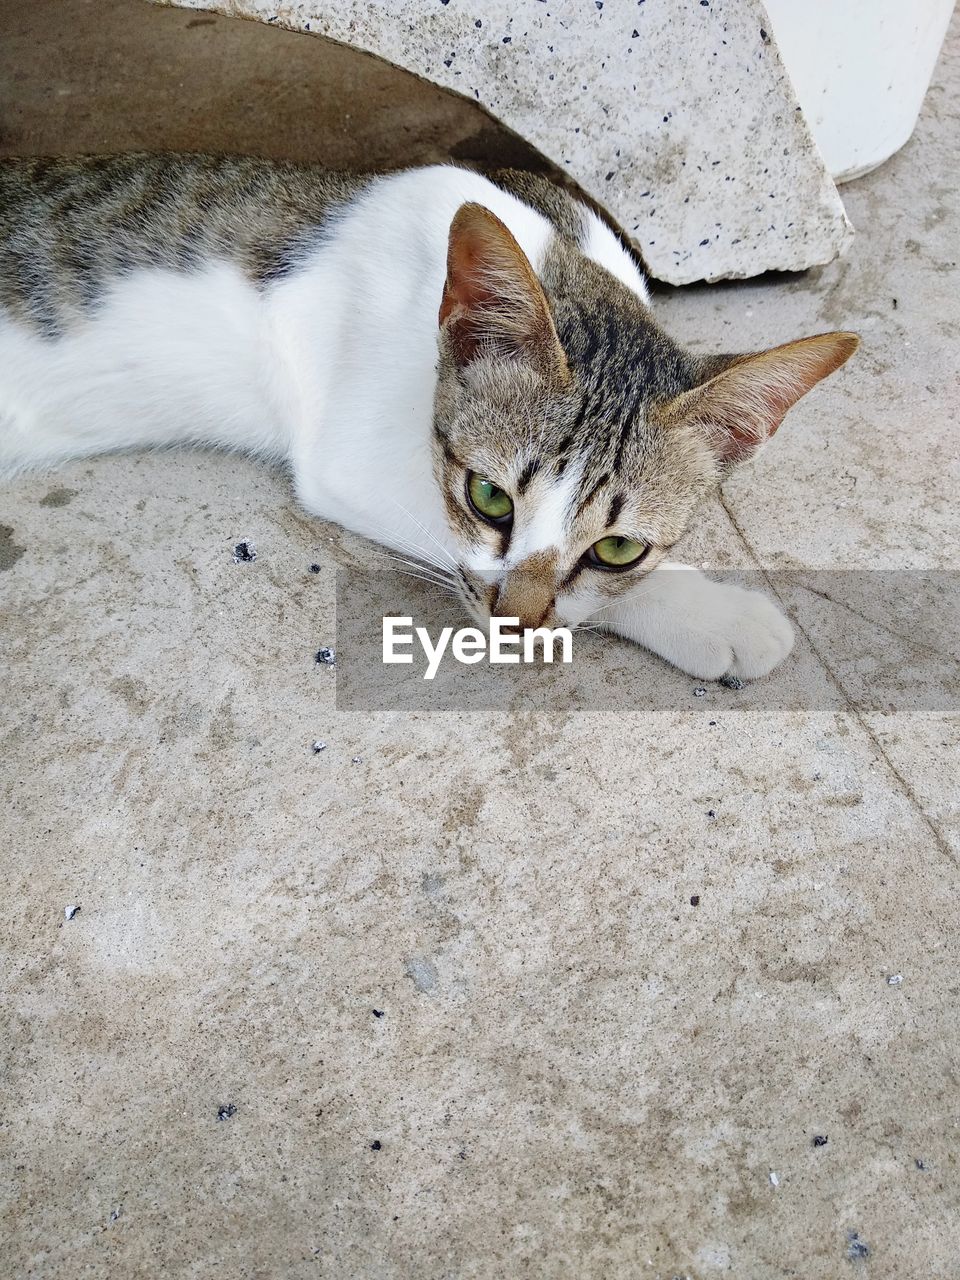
pixel 462 368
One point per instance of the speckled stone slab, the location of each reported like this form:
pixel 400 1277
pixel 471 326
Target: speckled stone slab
pixel 676 116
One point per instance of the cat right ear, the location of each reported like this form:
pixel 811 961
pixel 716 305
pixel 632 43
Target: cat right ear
pixel 743 399
pixel 493 304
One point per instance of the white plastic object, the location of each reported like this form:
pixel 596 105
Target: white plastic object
pixel 860 69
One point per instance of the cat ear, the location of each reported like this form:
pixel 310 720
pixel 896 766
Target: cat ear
pixel 492 301
pixel 744 398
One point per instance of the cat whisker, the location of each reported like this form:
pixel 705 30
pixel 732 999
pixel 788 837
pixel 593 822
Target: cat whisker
pixel 416 569
pixel 417 561
pixel 423 529
pixel 638 590
pixel 419 577
pixel 423 557
pixel 387 537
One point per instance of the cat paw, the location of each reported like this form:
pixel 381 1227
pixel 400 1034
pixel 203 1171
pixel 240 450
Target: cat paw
pixel 726 630
pixel 759 638
pixel 708 629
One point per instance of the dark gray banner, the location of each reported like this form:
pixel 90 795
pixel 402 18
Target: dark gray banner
pixel 879 640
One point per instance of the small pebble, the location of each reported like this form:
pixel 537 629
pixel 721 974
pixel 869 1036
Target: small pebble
pixel 357 760
pixel 314 568
pixel 227 1111
pixel 856 1248
pixel 695 900
pixel 70 912
pixel 895 980
pixel 731 682
pixel 327 657
pixel 819 1139
pixel 774 1179
pixel 921 1164
pixel 244 552
pixel 711 813
pixel 700 692
pixel 115 1213
pixel 376 1146
pixel 317 746
pixel 378 1013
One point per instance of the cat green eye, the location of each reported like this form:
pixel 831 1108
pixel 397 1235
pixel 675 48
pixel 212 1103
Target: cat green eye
pixel 616 552
pixel 488 499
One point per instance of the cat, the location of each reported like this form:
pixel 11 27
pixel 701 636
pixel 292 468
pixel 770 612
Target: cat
pixel 465 369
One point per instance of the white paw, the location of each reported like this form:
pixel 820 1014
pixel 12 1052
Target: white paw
pixel 759 635
pixel 707 629
pixel 712 629
pixel 732 632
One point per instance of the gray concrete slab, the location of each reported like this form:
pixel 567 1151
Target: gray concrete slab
pixel 672 117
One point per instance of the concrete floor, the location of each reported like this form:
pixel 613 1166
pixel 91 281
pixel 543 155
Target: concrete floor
pixel 470 1020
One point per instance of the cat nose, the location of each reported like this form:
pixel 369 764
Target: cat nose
pixel 526 593
pixel 528 617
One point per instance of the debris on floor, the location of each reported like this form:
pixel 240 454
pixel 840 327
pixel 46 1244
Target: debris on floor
pixel 314 568
pixel 819 1139
pixel 700 692
pixel 774 1178
pixel 895 980
pixel 376 1146
pixel 244 552
pixel 317 746
pixel 730 682
pixel 71 911
pixel 378 1013
pixel 227 1111
pixel 326 657
pixel 856 1248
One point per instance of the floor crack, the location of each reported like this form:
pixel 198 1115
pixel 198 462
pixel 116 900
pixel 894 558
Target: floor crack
pixel 940 840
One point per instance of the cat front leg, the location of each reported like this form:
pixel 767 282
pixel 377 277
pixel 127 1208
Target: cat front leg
pixel 707 629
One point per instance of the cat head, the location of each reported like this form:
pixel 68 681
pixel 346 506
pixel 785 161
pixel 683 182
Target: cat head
pixel 573 439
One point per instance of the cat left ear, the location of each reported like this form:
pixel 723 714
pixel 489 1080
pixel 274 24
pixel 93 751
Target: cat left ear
pixel 744 399
pixel 492 300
